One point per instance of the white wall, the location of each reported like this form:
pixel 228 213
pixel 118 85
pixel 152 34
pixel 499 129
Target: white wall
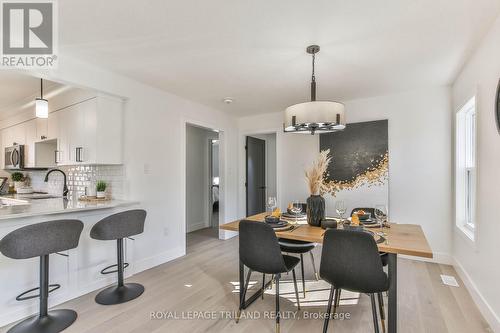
pixel 197 177
pixel 479 262
pixel 154 155
pixel 419 162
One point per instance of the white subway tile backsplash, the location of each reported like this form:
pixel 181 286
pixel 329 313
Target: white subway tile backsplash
pixel 80 176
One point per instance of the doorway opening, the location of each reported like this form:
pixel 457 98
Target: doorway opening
pixel 202 184
pixel 260 181
pixel 213 154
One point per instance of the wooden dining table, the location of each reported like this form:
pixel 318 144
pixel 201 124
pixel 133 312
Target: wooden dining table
pixel 406 239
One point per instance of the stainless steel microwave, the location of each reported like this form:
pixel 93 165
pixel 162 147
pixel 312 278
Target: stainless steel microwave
pixel 14 157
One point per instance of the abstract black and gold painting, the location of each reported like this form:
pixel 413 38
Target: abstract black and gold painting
pixel 360 156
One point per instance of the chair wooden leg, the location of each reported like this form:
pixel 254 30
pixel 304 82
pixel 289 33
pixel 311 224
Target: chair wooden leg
pixel 314 266
pixel 242 300
pixel 277 276
pixel 328 309
pixel 296 288
pixel 382 312
pixel 374 313
pixel 303 278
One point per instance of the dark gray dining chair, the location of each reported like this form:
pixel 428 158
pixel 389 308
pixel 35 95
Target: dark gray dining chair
pixel 117 227
pixel 41 240
pixel 260 252
pixel 300 248
pixel 350 261
pixel 383 255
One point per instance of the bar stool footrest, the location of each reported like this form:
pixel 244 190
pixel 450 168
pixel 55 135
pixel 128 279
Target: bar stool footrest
pixel 105 270
pixel 22 297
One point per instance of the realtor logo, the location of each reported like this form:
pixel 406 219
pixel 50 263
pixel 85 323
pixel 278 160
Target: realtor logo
pixel 28 34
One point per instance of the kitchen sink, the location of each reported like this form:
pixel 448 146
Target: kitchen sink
pixel 36 196
pixel 48 196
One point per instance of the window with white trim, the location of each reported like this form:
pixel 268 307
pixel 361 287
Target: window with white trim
pixel 465 173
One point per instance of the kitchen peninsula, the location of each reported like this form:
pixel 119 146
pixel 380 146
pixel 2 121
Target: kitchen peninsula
pixel 77 270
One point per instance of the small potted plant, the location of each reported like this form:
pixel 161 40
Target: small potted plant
pixel 18 179
pixel 101 189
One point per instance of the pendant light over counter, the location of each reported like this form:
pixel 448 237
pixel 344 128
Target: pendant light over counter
pixel 41 104
pixel 314 116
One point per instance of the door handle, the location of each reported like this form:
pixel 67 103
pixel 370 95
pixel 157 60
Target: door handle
pixel 15 157
pixel 79 155
pixel 56 156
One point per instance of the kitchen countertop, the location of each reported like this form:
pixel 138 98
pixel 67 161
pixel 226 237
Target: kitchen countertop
pixel 37 207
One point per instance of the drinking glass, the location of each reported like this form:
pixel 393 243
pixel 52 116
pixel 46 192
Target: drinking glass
pixel 271 203
pixel 381 214
pixel 340 208
pixel 296 209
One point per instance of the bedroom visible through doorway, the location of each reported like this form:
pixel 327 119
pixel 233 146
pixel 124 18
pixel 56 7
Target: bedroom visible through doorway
pixel 202 181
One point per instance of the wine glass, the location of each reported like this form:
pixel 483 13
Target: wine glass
pixel 381 214
pixel 296 209
pixel 340 209
pixel 271 203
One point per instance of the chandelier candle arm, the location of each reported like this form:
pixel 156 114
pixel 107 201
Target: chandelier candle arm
pixel 314 116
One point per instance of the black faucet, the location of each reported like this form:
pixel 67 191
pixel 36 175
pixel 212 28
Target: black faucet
pixel 65 188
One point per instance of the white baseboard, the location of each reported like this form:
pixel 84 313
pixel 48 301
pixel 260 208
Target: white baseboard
pixel 227 234
pixel 138 266
pixel 196 226
pixel 484 307
pixel 438 258
pixel 158 259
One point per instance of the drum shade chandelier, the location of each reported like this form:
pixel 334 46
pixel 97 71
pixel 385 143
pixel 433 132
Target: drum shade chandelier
pixel 314 116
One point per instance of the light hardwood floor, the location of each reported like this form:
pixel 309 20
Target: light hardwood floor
pixel 205 280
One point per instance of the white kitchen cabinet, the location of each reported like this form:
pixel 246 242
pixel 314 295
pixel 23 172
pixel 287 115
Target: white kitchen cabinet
pixel 52 126
pixel 62 133
pixel 19 134
pixel 90 132
pixel 6 142
pixel 7 137
pixel 30 132
pixel 42 129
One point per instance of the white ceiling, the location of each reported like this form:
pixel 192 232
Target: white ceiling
pixel 17 89
pixel 254 51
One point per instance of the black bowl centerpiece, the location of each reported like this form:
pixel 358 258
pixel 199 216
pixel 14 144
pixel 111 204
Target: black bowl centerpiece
pixel 329 223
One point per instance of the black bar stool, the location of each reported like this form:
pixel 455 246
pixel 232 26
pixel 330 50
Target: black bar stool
pixel 117 227
pixel 41 240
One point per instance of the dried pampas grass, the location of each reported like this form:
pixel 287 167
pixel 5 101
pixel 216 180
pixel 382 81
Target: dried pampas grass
pixel 315 174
